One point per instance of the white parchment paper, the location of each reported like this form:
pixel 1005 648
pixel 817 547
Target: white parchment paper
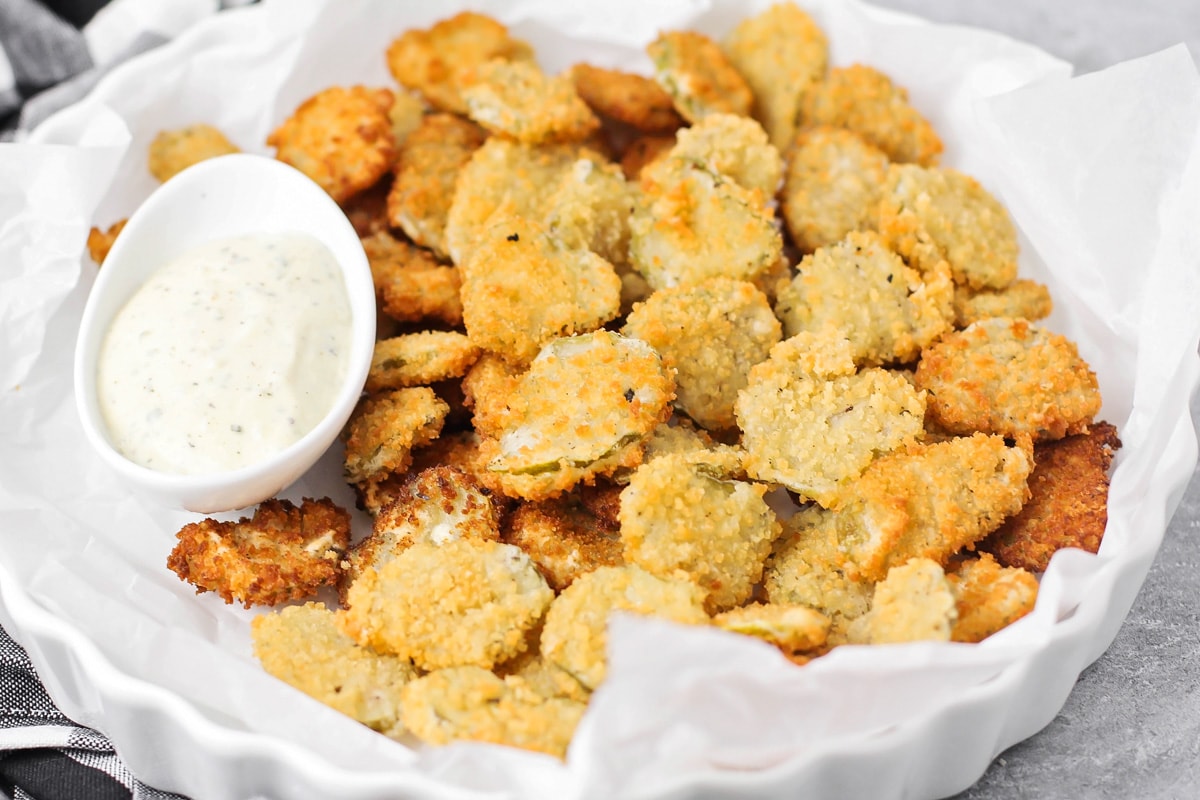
pixel 1101 174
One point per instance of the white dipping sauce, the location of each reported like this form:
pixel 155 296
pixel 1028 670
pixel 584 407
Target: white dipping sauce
pixel 226 355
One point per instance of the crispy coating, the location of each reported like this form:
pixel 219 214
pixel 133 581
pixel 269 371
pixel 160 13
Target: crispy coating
pixel 621 391
pixel 711 334
pixel 516 99
pixel 1011 377
pixel 419 359
pixel 564 538
pixel 815 435
pixel 341 138
pixel 691 224
pixel 683 517
pixel 281 553
pixel 575 636
pixel 680 435
pixel 1068 506
pixel 930 215
pixel 782 53
pixel 461 602
pixel 486 389
pixel 864 100
pixel 831 187
pixel 367 210
pixel 989 597
pixel 544 677
pixel 302 646
pixel 734 147
pixel 862 289
pixel 1021 298
pixel 426 170
pixel 435 505
pixel 462 450
pixel 384 429
pixel 626 97
pixel 914 603
pixel 794 629
pixel 699 78
pixel 410 285
pixel 930 502
pixel 472 704
pixel 644 151
pixel 173 151
pixel 436 62
pixel 407 112
pixel 523 287
pixel 100 242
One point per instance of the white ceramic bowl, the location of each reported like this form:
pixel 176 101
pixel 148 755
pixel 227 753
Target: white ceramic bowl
pixel 223 197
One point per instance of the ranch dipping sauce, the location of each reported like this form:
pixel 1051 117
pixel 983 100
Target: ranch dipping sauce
pixel 226 355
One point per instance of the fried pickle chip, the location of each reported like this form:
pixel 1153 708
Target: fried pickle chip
pixel 341 138
pixel 1021 298
pixel 1011 377
pixel 565 538
pixel 302 646
pixel 682 516
pixel 472 704
pixel 691 224
pixel 410 285
pixel 426 170
pixel 711 334
pixel 930 215
pixel 864 100
pixel 989 597
pixel 419 359
pixel 367 210
pixel 458 603
pixel 384 429
pixel 794 629
pixel 436 62
pixel 815 434
pixel 644 151
pixel 782 54
pixel 486 389
pixel 173 151
pixel 575 636
pixel 626 97
pixel 831 187
pixel 1068 506
pixel 100 242
pixel 914 603
pixel 524 287
pixel 863 290
pixel 281 553
pixel 516 99
pixel 699 78
pixel 734 147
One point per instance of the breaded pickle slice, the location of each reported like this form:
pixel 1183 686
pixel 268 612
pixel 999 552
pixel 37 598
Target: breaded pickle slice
pixel 793 628
pixel 734 147
pixel 914 603
pixel 989 597
pixel 384 429
pixel 1021 298
pixel 410 285
pixel 701 81
pixel 419 359
pixel 516 99
pixel 564 538
pixel 173 151
pixel 627 97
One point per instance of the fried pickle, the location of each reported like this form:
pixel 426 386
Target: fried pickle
pixel 516 99
pixel 989 597
pixel 644 151
pixel 565 538
pixel 384 429
pixel 626 97
pixel 173 151
pixel 1021 298
pixel 734 147
pixel 697 75
pixel 410 285
pixel 419 359
pixel 794 629
pixel 100 242
pixel 914 603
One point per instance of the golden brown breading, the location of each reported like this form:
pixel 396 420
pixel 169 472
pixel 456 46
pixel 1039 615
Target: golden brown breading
pixel 711 334
pixel 516 99
pixel 696 74
pixel 486 389
pixel 816 434
pixel 989 597
pixel 426 170
pixel 464 451
pixel 384 429
pixel 831 187
pixel 864 100
pixel 1069 502
pixel 367 210
pixel 433 61
pixel 419 359
pixel 547 679
pixel 794 629
pixel 1021 298
pixel 341 138
pixel 410 285
pixel 575 636
pixel 473 704
pixel 173 151
pixel 1011 377
pixel 683 516
pixel 523 287
pixel 282 553
pixel 930 502
pixel 642 152
pixel 731 146
pixel 564 538
pixel 863 290
pixel 302 646
pixel 462 602
pixel 930 215
pixel 914 603
pixel 626 97
pixel 407 113
pixel 100 242
pixel 782 54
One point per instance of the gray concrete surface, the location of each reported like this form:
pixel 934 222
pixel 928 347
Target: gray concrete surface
pixel 1131 727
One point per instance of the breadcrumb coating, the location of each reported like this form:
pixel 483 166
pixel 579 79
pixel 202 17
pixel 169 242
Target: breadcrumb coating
pixel 281 553
pixel 385 427
pixel 794 629
pixel 564 538
pixel 734 147
pixel 626 97
pixel 458 603
pixel 100 242
pixel 989 597
pixel 410 285
pixel 419 359
pixel 1010 377
pixel 407 113
pixel 575 636
pixel 699 78
pixel 173 151
pixel 486 390
pixel 302 646
pixel 1021 298
pixel 643 152
pixel 516 99
pixel 914 603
